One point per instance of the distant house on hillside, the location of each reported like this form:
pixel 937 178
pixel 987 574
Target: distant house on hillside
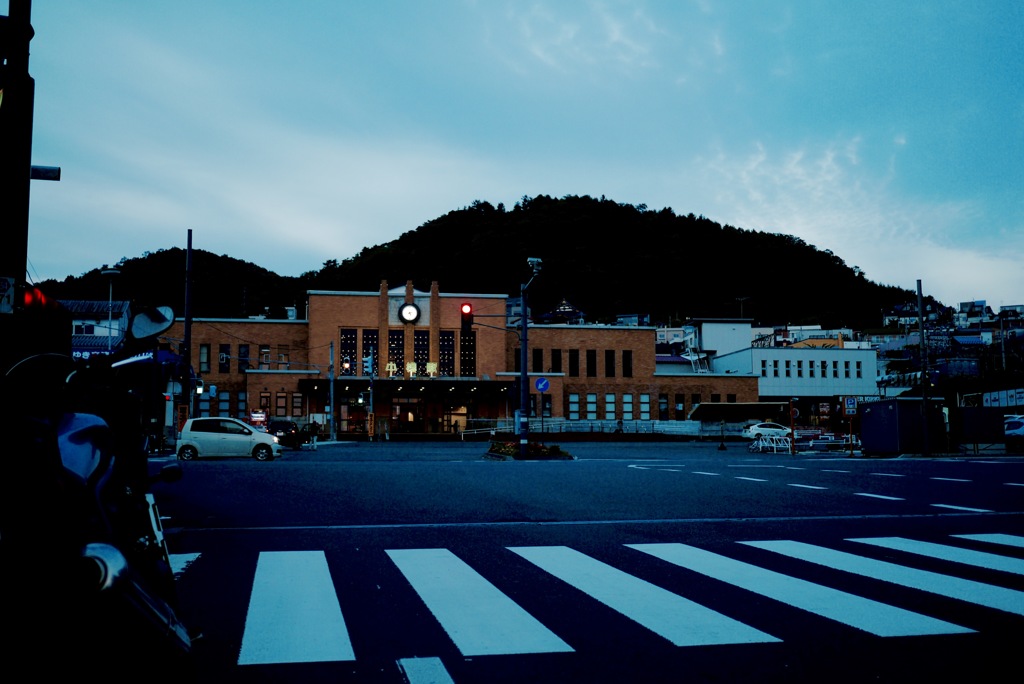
pixel 97 327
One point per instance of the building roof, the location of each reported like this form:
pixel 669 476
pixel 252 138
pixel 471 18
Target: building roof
pixel 90 308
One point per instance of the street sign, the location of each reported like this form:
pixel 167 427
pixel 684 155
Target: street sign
pixel 850 406
pixel 542 384
pixel 6 295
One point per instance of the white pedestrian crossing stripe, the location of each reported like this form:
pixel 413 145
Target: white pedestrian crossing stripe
pixel 979 559
pixel 681 621
pixel 477 616
pixel 294 614
pixel 876 618
pixel 981 594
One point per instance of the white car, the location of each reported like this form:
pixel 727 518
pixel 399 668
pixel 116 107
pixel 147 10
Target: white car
pixel 765 430
pixel 202 437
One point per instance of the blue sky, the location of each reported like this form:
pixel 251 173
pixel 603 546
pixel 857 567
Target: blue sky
pixel 290 133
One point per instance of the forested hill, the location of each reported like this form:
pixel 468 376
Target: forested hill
pixel 603 257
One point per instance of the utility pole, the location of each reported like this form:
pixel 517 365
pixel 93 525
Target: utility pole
pixel 16 112
pixel 524 378
pixel 924 369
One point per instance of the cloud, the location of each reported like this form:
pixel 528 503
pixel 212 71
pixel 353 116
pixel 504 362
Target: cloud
pixel 826 196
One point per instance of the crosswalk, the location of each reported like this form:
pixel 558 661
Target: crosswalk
pixel 294 614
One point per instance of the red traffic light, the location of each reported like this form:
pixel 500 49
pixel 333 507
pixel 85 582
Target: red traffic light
pixel 467 308
pixel 467 317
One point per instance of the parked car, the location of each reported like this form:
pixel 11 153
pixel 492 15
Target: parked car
pixel 202 437
pixel 287 432
pixel 765 430
pixel 1014 428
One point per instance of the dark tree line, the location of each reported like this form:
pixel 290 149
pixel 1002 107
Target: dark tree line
pixel 604 257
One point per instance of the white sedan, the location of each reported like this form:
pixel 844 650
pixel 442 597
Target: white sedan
pixel 765 430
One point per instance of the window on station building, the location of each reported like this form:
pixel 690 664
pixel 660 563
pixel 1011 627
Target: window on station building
pixel 574 406
pixel 787 368
pixel 348 350
pixel 371 347
pixel 223 404
pixel 224 359
pixel 860 370
pixel 537 366
pixel 764 368
pixel 715 398
pixel 284 353
pixel 645 407
pixel 609 406
pixel 775 368
pixel 835 369
pixel 297 405
pixel 662 407
pixel 609 363
pixel 467 354
pixel 591 406
pixel 421 351
pixel 799 368
pixel 243 358
pixel 591 363
pixel 627 407
pixel 730 398
pixel 556 360
pixel 203 405
pixel 265 401
pixel 545 403
pixel 446 349
pixel 396 351
pixel 694 399
pixel 574 363
pixel 846 369
pixel 241 402
pixel 281 404
pixel 627 363
pixel 204 358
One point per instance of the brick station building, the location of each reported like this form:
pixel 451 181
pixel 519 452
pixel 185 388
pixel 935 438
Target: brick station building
pixel 429 377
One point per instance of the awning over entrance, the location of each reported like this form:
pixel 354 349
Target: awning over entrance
pixel 775 411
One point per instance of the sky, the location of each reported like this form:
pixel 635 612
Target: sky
pixel 287 134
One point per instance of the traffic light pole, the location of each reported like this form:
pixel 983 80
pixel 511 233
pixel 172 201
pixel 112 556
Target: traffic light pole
pixel 330 385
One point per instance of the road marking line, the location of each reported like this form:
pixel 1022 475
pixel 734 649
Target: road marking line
pixel 1005 539
pixel 1014 484
pixel 880 496
pixel 870 616
pixel 293 615
pixel 681 621
pixel 887 474
pixel 424 671
pixel 180 562
pixel 829 470
pixel 978 593
pixel 752 479
pixel 962 508
pixel 949 479
pixel 803 486
pixel 478 617
pixel 979 559
pixel 701 472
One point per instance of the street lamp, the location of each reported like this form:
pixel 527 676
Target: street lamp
pixel 110 273
pixel 524 388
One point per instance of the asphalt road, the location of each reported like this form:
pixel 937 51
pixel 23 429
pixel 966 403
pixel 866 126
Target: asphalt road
pixel 405 562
